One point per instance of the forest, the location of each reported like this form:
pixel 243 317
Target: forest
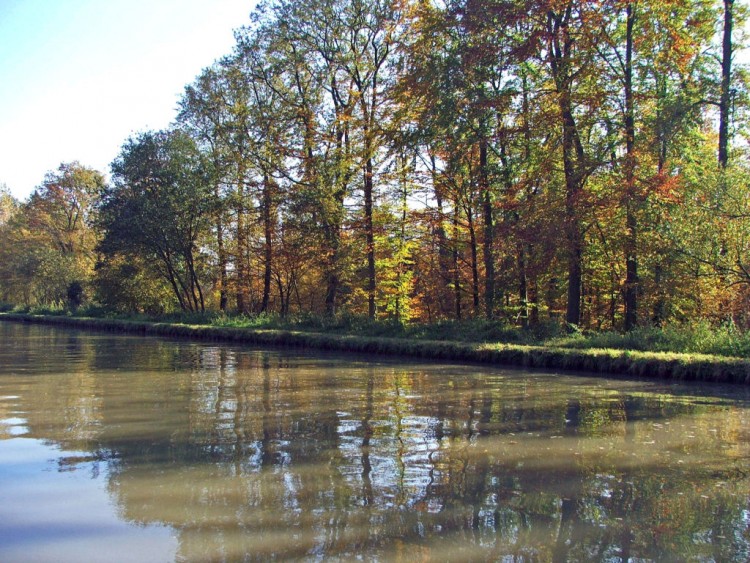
pixel 579 162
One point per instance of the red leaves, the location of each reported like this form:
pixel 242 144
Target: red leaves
pixel 663 187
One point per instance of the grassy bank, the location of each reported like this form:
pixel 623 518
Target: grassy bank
pixel 700 337
pixel 653 364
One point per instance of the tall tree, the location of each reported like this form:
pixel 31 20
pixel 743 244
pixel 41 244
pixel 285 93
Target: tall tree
pixel 631 236
pixel 568 56
pixel 463 83
pixel 726 79
pixel 204 115
pixel 672 80
pixel 8 204
pixel 305 45
pixel 371 27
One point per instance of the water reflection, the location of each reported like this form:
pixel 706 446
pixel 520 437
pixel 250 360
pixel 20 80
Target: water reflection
pixel 247 455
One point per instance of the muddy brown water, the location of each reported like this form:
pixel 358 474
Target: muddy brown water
pixel 124 448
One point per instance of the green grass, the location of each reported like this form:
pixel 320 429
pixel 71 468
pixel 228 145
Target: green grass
pixel 696 338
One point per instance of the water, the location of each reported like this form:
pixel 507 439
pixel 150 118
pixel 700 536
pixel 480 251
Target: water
pixel 116 448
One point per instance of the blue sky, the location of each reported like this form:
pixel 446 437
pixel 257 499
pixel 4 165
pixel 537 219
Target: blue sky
pixel 77 77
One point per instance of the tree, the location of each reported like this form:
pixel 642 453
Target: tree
pixel 511 159
pixel 345 49
pixel 50 239
pixel 204 116
pixel 62 208
pixel 371 27
pixel 9 208
pixel 8 205
pixel 462 88
pixel 158 208
pixel 571 32
pixel 726 79
pixel 302 67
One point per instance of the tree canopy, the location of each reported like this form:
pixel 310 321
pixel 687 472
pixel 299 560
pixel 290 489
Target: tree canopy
pixel 525 161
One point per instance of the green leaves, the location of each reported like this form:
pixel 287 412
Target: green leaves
pixel 158 208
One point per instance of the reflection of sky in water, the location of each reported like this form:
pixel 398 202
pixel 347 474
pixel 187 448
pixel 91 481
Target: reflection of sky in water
pixel 13 426
pixel 50 513
pixel 200 452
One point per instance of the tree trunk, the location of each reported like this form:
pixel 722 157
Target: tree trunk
pixel 575 250
pixel 268 224
pixel 456 269
pixel 222 255
pixel 528 287
pixel 523 297
pixel 474 261
pixel 726 76
pixel 331 269
pixel 444 258
pixel 333 210
pixel 370 236
pixel 196 291
pixel 489 257
pixel 631 203
pixel 533 289
pixel 660 306
pixel 243 299
pixel 560 44
pixel 173 280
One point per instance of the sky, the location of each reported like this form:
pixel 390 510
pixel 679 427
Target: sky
pixel 78 77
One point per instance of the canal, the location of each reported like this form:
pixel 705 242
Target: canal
pixel 124 448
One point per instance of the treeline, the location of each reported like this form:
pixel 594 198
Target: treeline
pixel 518 160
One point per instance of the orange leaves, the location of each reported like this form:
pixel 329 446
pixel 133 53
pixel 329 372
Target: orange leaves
pixel 663 187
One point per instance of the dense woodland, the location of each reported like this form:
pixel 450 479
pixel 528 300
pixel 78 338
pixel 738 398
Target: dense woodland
pixel 527 161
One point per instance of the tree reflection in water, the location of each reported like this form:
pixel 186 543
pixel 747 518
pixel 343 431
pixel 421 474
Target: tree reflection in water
pixel 258 454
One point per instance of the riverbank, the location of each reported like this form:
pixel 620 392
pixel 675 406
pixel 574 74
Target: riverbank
pixel 683 367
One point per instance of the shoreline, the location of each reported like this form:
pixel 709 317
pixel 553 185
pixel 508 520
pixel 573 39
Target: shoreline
pixel 655 365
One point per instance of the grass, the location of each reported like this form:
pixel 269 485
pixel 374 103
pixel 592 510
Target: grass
pixel 697 338
pixel 696 352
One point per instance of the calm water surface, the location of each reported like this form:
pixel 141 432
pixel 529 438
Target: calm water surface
pixel 120 448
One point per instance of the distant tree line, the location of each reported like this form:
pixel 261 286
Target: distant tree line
pixel 518 160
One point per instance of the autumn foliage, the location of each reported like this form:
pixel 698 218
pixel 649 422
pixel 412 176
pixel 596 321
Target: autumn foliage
pixel 524 161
